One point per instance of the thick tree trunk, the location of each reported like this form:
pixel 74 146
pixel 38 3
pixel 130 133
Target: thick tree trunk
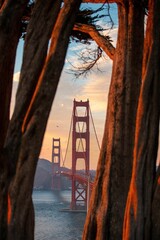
pixel 105 217
pixel 10 29
pixel 1 3
pixel 155 220
pixel 27 127
pixel 35 52
pixel 10 26
pixel 137 223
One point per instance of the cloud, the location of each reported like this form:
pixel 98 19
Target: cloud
pixel 95 88
pixel 14 90
pixel 16 77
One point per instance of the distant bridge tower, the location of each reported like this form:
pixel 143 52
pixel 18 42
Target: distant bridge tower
pixel 79 191
pixel 56 178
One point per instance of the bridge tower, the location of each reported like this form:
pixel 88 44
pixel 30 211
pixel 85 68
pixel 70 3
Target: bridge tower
pixel 56 178
pixel 79 191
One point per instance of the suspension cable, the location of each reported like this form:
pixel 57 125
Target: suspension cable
pixel 68 140
pixel 80 141
pixel 94 128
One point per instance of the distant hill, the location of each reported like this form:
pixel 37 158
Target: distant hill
pixel 45 164
pixel 43 176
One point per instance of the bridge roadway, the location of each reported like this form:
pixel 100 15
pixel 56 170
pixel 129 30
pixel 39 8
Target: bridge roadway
pixel 80 177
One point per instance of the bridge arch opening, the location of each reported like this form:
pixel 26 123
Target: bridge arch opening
pixel 81 145
pixel 80 111
pixel 80 165
pixel 81 127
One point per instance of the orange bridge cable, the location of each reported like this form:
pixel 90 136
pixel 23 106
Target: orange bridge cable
pixel 94 128
pixel 69 135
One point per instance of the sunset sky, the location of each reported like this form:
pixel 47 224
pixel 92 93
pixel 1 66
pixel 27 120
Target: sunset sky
pixel 94 87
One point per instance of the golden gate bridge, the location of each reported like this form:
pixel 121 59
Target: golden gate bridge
pixel 82 183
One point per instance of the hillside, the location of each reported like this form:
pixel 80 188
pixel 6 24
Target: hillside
pixel 43 176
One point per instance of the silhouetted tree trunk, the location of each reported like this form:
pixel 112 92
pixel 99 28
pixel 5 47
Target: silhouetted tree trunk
pixel 39 78
pixel 155 210
pixel 139 222
pixel 10 28
pixel 108 201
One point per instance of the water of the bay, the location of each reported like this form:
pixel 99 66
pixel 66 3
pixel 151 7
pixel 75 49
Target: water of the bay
pixel 53 224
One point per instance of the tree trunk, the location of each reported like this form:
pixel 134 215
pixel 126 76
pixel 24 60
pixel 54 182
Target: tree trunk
pixel 27 127
pixel 10 26
pixel 107 206
pixel 155 220
pixel 137 223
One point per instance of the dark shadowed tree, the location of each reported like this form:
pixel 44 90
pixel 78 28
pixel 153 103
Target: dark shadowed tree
pixel 126 193
pixel 21 138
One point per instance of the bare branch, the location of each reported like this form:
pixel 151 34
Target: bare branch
pixel 90 59
pixel 101 40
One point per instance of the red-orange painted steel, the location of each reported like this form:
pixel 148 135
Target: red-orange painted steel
pixel 79 190
pixel 56 179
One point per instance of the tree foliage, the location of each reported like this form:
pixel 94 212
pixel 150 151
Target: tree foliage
pixel 88 17
pixel 85 31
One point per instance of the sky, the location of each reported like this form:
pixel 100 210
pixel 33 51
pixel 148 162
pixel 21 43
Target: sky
pixel 94 87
